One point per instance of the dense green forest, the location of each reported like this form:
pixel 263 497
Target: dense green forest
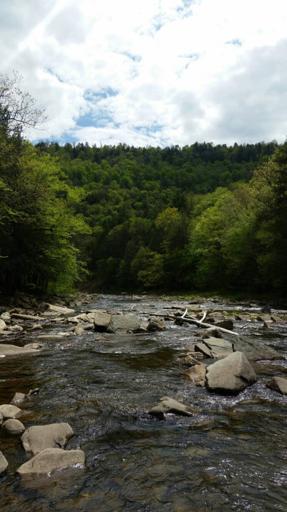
pixel 200 217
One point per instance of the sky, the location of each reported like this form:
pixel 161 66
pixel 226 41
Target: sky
pixel 151 72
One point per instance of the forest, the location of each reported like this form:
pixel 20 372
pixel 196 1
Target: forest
pixel 193 218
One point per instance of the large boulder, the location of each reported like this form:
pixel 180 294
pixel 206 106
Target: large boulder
pixel 10 411
pixel 18 398
pixel 14 350
pixel 125 322
pixel 52 459
pixel 169 405
pixel 278 384
pixel 40 437
pixel 233 373
pixel 14 427
pixel 3 463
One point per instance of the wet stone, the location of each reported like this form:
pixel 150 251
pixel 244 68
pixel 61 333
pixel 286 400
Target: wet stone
pixel 10 411
pixel 278 384
pixel 14 427
pixel 52 459
pixel 170 405
pixel 40 437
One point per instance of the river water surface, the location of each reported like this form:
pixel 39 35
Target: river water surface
pixel 231 455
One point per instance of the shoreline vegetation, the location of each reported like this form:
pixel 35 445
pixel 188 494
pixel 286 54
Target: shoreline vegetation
pixel 158 220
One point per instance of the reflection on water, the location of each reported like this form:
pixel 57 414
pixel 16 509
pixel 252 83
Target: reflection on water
pixel 231 455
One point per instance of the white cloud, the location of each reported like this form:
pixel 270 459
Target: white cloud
pixel 153 72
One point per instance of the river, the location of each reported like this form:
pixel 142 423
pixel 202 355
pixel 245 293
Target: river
pixel 230 456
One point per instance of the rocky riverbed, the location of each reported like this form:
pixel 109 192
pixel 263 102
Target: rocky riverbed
pixel 168 405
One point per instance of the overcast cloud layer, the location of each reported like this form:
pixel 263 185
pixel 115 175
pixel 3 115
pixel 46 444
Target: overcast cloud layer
pixel 152 72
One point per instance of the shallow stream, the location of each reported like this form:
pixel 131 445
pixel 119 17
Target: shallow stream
pixel 230 456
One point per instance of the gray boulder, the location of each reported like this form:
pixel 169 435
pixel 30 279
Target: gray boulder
pixel 126 323
pixel 233 373
pixel 169 405
pixel 14 427
pixel 278 384
pixel 10 411
pixel 40 437
pixel 52 459
pixel 3 463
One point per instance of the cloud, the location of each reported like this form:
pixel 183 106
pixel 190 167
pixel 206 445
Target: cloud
pixel 151 73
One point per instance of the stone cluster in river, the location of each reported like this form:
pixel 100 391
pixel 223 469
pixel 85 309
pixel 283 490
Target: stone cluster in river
pixel 218 359
pixel 45 443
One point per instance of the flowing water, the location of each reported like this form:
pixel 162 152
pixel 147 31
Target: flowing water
pixel 230 456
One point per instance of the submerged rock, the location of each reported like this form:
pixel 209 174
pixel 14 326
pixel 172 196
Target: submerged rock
pixel 10 411
pixel 225 324
pixel 233 373
pixel 196 374
pixel 170 405
pixel 3 463
pixel 278 384
pixel 14 427
pixel 52 459
pixel 40 437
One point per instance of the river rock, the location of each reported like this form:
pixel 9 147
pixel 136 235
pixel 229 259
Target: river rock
pixel 15 328
pixel 169 405
pixel 2 325
pixel 60 310
pixel 233 373
pixel 15 427
pixel 6 316
pixel 100 319
pixel 196 374
pixel 40 437
pixel 278 384
pixel 51 459
pixel 18 399
pixel 1 418
pixel 253 349
pixel 3 463
pixel 225 324
pixel 203 349
pixel 219 347
pixel 10 411
pixel 155 324
pixel 79 330
pixel 14 350
pixel 126 322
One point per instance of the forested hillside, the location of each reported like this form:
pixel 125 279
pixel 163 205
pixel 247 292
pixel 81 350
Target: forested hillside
pixel 201 217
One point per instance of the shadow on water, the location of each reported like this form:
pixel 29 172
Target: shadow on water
pixel 231 455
